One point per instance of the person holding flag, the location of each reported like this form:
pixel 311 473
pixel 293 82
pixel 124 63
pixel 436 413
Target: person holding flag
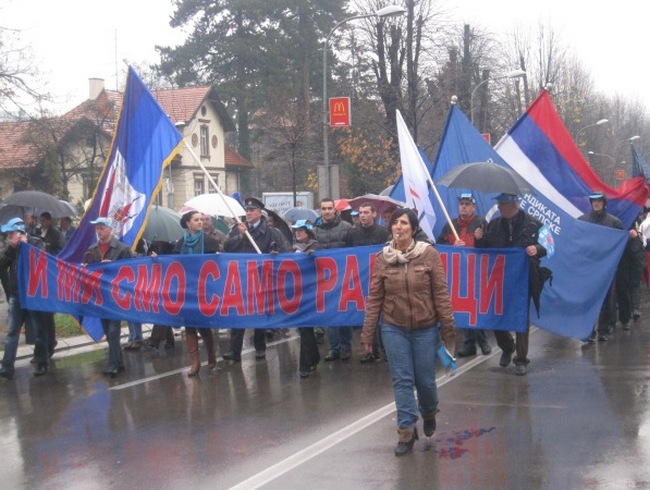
pixel 465 225
pixel 513 228
pixel 607 318
pixel 106 249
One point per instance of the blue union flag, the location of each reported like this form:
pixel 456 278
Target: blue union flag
pixel 144 143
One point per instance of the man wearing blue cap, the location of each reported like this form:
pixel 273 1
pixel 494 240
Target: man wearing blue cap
pixel 607 318
pixel 107 249
pixel 513 228
pixel 15 234
pixel 465 224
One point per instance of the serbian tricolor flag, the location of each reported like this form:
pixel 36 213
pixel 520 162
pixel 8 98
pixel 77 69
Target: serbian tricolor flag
pixel 540 148
pixel 144 143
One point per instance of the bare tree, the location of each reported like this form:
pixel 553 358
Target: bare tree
pixel 17 75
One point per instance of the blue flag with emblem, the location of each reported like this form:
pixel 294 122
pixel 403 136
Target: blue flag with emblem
pixel 144 143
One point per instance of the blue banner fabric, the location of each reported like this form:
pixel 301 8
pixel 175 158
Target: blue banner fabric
pixel 489 288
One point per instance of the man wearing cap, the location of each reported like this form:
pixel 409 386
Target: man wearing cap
pixel 369 233
pixel 106 249
pixel 332 232
pixel 15 234
pixel 268 240
pixel 465 225
pixel 513 228
pixel 607 318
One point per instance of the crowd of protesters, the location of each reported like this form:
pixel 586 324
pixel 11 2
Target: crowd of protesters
pixel 399 327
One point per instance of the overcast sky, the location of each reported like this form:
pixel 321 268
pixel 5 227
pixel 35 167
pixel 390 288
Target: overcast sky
pixel 78 39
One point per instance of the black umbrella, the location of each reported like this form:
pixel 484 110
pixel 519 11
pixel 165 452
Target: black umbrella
pixel 485 177
pixel 163 225
pixel 40 202
pixel 281 224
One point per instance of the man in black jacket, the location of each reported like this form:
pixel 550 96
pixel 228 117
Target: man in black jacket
pixel 268 240
pixel 332 232
pixel 513 228
pixel 107 249
pixel 15 234
pixel 368 232
pixel 607 318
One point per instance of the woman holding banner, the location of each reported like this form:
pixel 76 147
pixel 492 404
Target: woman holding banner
pixel 195 241
pixel 409 289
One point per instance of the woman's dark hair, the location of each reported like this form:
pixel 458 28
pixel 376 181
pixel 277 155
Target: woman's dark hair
pixel 411 216
pixel 186 217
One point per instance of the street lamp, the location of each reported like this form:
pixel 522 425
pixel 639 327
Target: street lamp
pixel 512 74
pixel 331 189
pixel 610 157
pixel 597 123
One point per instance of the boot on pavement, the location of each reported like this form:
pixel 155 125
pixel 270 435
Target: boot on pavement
pixel 192 343
pixel 208 341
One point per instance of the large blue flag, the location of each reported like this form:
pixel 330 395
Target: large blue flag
pixel 586 255
pixel 144 143
pixel 461 143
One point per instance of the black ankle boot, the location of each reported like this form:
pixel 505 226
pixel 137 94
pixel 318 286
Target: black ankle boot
pixel 407 438
pixel 429 424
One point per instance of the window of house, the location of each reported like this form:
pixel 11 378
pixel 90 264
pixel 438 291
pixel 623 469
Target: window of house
pixel 199 185
pixel 205 141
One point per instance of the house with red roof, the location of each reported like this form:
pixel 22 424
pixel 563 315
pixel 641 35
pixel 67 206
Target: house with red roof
pixel 77 143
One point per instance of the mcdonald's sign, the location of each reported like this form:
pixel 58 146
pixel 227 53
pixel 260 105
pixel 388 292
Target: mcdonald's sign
pixel 340 111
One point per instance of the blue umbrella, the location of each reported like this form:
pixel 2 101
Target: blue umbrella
pixel 297 213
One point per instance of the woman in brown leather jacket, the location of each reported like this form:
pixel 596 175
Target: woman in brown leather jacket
pixel 409 290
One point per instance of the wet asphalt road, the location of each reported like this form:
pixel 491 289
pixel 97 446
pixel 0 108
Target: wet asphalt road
pixel 580 419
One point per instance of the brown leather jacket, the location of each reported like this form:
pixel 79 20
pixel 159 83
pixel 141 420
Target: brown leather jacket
pixel 411 296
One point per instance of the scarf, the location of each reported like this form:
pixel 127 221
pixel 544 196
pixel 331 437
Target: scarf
pixel 192 244
pixel 393 255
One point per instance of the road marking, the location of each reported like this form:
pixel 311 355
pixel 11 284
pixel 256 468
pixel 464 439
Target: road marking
pixel 304 455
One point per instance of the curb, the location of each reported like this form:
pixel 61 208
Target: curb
pixel 67 344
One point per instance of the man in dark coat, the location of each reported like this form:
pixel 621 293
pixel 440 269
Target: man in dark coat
pixel 513 228
pixel 368 232
pixel 268 240
pixel 107 249
pixel 607 318
pixel 332 232
pixel 15 234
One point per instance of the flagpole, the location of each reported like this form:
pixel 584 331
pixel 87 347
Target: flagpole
pixel 214 184
pixel 444 209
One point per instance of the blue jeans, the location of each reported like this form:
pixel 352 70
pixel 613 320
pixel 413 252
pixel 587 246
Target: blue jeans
pixel 16 317
pixel 112 330
pixel 412 360
pixel 135 331
pixel 340 338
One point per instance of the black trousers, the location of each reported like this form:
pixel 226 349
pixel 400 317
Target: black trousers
pixel 309 355
pixel 237 340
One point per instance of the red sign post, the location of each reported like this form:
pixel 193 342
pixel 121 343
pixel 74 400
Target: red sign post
pixel 340 111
